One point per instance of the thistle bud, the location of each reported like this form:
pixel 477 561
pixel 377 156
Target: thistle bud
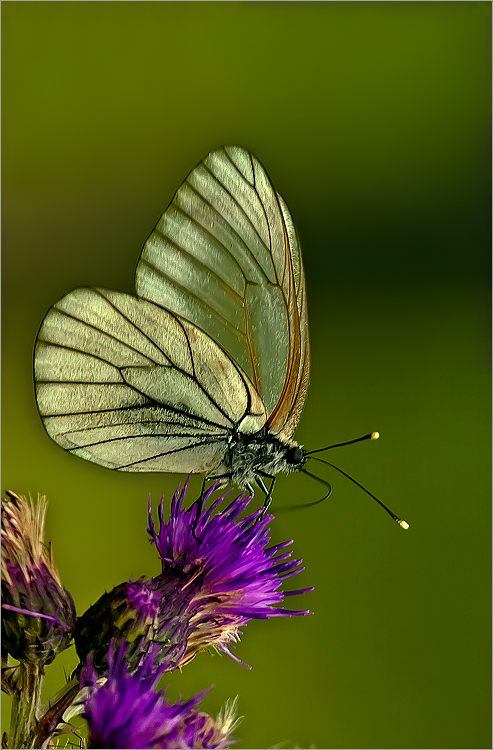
pixel 38 614
pixel 141 614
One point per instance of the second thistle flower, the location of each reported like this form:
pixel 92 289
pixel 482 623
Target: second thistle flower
pixel 124 710
pixel 38 614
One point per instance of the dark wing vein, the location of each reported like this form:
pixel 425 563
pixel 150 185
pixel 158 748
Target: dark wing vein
pixel 99 330
pixel 135 422
pixel 150 403
pixel 216 179
pixel 269 248
pixel 208 231
pixel 210 439
pixel 134 325
pixel 80 351
pixel 168 453
pixel 196 261
pixel 200 301
pixel 239 238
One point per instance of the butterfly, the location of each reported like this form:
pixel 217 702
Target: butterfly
pixel 205 369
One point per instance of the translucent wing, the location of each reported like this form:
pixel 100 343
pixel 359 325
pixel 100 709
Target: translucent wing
pixel 130 386
pixel 225 256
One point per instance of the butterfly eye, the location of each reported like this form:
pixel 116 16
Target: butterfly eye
pixel 294 455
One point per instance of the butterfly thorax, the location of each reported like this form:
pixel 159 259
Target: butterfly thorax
pixel 261 454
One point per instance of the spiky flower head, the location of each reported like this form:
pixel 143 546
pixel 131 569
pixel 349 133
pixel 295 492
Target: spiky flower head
pixel 217 574
pixel 233 576
pixel 123 709
pixel 38 614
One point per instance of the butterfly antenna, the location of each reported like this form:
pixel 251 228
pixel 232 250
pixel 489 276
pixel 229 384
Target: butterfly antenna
pixel 316 502
pixel 369 436
pixel 403 524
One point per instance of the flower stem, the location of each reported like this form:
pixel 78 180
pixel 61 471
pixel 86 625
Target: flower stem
pixel 25 703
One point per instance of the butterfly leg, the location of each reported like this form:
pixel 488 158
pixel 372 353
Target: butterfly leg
pixel 222 482
pixel 268 492
pixel 199 506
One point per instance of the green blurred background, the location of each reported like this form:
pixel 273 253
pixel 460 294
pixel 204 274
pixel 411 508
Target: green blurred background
pixel 373 120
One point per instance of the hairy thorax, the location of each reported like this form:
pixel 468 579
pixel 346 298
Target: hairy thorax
pixel 250 457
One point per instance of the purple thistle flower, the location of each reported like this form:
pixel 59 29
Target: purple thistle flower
pixel 217 574
pixel 232 575
pixel 38 614
pixel 124 710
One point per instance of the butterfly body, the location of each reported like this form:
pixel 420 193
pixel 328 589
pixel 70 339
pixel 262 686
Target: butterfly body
pixel 205 369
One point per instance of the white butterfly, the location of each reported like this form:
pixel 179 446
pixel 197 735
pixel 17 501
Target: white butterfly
pixel 205 370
